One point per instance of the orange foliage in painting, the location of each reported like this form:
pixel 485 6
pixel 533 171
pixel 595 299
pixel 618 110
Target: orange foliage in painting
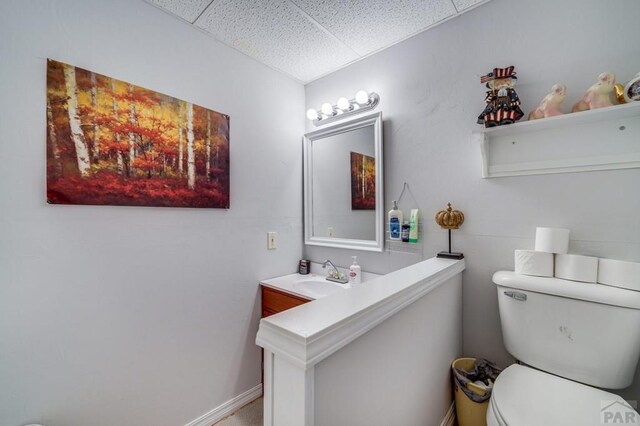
pixel 127 145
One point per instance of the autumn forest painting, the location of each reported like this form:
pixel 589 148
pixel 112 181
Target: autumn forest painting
pixel 363 182
pixel 115 143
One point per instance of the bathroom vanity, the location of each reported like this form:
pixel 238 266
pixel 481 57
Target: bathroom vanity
pixel 397 333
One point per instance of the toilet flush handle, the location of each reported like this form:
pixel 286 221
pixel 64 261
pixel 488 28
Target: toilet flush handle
pixel 516 295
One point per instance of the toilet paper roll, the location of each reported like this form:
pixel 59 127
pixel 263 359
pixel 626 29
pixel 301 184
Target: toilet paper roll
pixel 538 263
pixel 552 240
pixel 619 273
pixel 577 268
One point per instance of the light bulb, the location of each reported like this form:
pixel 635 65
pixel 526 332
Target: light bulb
pixel 362 97
pixel 343 104
pixel 312 114
pixel 327 108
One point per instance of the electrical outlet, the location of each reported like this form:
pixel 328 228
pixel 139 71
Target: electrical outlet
pixel 330 231
pixel 272 240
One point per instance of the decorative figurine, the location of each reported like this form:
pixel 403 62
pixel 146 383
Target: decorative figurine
pixel 599 95
pixel 503 104
pixel 550 105
pixel 450 219
pixel 632 89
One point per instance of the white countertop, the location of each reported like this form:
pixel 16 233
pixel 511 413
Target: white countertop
pixel 307 333
pixel 287 283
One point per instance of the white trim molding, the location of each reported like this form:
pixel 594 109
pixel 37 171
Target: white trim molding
pixel 450 417
pixel 228 408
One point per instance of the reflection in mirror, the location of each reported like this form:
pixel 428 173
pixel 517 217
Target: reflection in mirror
pixel 343 185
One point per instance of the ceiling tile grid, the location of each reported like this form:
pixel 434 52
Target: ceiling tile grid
pixel 466 4
pixel 276 33
pixel 307 39
pixel 370 25
pixel 188 10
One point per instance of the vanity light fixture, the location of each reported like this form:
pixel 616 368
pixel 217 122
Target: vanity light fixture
pixel 362 101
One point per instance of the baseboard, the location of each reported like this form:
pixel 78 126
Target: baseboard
pixel 450 417
pixel 227 408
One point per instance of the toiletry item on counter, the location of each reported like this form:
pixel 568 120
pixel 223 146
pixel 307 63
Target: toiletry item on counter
pixel 413 226
pixel 395 222
pixel 405 232
pixel 536 263
pixel 304 267
pixel 619 273
pixel 552 240
pixel 355 273
pixel 577 268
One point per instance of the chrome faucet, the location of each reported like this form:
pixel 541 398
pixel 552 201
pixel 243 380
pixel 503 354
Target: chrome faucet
pixel 335 275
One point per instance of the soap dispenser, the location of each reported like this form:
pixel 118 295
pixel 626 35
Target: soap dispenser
pixel 395 222
pixel 355 273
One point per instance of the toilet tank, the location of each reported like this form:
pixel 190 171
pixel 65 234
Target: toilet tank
pixel 585 332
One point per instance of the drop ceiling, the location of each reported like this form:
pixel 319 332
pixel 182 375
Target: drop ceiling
pixel 307 39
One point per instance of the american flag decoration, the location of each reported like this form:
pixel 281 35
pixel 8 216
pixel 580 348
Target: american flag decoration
pixel 499 73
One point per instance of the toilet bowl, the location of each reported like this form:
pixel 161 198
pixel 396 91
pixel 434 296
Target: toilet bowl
pixel 574 339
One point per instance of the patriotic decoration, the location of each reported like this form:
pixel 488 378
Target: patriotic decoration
pixel 503 104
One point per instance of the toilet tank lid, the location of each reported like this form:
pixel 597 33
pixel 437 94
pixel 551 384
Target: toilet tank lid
pixel 591 292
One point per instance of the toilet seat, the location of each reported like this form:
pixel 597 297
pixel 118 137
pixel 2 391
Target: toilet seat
pixel 523 396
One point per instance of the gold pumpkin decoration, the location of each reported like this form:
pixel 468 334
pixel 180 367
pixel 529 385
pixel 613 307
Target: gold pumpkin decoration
pixel 619 91
pixel 449 218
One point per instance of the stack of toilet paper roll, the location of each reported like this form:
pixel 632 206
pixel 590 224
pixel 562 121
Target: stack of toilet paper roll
pixel 550 259
pixel 540 262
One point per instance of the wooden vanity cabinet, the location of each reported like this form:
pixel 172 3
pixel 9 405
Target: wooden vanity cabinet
pixel 274 301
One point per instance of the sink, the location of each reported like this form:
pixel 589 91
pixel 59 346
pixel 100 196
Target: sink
pixel 317 287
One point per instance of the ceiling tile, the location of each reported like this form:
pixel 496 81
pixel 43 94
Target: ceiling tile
pixel 276 33
pixel 188 10
pixel 370 25
pixel 466 4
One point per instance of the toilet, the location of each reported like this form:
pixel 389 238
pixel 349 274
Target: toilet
pixel 571 340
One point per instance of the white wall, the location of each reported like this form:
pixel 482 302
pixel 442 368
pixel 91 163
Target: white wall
pixel 430 98
pixel 126 315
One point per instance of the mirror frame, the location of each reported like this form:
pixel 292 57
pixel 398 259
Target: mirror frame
pixel 308 140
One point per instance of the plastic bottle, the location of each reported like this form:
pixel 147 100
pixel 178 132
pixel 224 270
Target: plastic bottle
pixel 355 273
pixel 395 222
pixel 413 226
pixel 405 232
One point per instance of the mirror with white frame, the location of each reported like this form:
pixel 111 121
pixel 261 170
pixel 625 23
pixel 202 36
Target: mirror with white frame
pixel 343 185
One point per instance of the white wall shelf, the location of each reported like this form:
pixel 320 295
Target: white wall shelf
pixel 601 139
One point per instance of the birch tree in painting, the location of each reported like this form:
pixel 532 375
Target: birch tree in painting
pixel 94 104
pixel 191 160
pixel 53 139
pixel 82 153
pixel 132 135
pixel 208 165
pixel 116 116
pixel 132 149
pixel 180 142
